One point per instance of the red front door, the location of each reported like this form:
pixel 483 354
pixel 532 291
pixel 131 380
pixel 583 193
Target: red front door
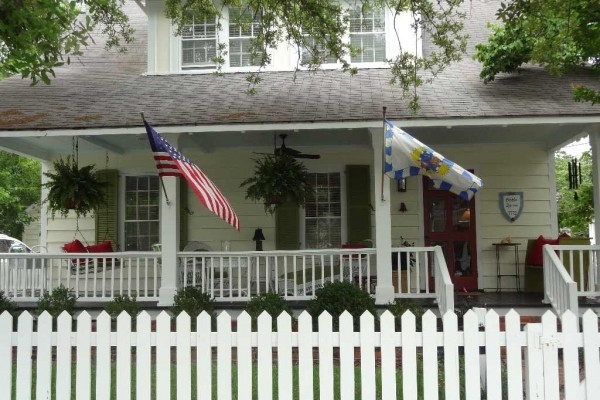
pixel 450 223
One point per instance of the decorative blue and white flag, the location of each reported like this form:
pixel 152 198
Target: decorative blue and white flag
pixel 406 156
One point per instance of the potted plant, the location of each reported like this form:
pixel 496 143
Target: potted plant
pixel 278 179
pixel 73 188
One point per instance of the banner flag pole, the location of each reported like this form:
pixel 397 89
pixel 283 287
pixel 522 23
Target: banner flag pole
pixel 162 184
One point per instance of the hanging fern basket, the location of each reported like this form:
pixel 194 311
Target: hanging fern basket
pixel 73 188
pixel 276 180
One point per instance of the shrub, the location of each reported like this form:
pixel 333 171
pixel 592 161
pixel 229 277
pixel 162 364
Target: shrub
pixel 337 297
pixel 123 303
pixel 59 300
pixel 7 304
pixel 270 302
pixel 401 306
pixel 193 301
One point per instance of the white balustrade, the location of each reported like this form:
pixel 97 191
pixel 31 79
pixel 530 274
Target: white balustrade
pixel 559 288
pixel 91 277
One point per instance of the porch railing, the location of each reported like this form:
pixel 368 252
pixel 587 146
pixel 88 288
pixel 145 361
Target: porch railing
pixel 582 263
pixel 91 277
pixel 444 286
pixel 296 275
pixel 560 290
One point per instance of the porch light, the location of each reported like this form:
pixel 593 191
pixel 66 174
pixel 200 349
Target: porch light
pixel 258 238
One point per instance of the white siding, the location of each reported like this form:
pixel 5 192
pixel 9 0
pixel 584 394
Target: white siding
pixel 503 168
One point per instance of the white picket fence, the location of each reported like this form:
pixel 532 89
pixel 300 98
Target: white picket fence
pixel 245 364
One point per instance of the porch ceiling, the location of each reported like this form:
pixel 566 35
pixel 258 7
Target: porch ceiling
pixel 548 136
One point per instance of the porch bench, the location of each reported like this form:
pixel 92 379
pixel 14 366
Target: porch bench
pixel 534 274
pixel 78 265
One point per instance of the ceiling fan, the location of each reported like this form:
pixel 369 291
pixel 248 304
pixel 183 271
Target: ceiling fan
pixel 288 151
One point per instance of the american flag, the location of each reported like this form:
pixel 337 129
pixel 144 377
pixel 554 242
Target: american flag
pixel 171 162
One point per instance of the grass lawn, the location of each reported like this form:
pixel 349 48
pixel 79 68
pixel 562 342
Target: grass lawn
pixel 336 379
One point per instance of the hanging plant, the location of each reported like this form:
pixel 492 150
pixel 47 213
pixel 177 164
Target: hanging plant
pixel 276 180
pixel 73 188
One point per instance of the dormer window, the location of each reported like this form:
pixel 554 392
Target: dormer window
pixel 367 34
pixel 243 27
pixel 199 45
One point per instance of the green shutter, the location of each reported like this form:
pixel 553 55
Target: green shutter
pixel 358 197
pixel 107 215
pixel 287 227
pixel 183 213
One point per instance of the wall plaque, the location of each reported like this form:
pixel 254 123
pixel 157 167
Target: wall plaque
pixel 511 205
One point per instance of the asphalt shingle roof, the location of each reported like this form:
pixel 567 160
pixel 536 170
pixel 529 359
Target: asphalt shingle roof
pixel 109 90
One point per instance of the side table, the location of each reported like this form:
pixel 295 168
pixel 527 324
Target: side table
pixel 499 274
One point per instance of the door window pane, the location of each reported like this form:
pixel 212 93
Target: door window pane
pixel 461 214
pixel 437 214
pixel 462 258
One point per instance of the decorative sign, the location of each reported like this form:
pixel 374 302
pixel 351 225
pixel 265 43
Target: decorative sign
pixel 511 205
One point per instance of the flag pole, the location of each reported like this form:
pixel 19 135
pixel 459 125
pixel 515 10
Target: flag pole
pixel 159 177
pixel 383 156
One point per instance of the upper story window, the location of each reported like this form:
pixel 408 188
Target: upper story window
pixel 367 34
pixel 199 45
pixel 243 27
pixel 312 52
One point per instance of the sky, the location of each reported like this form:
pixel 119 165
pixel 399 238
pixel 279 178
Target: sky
pixel 576 148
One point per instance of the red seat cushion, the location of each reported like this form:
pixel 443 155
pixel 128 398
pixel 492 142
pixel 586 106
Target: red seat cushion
pixel 75 247
pixel 102 247
pixel 535 256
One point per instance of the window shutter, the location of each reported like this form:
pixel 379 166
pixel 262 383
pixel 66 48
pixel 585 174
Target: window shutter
pixel 287 227
pixel 358 197
pixel 107 215
pixel 183 213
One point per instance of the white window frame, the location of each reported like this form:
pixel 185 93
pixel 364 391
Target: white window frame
pixel 343 233
pixel 387 32
pixel 122 206
pixel 211 66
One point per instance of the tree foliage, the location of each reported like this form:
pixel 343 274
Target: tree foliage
pixel 19 189
pixel 560 35
pixel 575 206
pixel 37 36
pixel 321 27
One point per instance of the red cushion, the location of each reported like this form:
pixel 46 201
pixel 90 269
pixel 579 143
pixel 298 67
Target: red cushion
pixel 102 247
pixel 75 247
pixel 535 255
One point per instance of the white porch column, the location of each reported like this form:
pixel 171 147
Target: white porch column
pixel 384 293
pixel 169 237
pixel 595 145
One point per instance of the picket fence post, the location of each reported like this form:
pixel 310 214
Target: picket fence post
pixel 590 354
pixel 452 380
pixel 143 356
pixel 471 346
pixel 514 361
pixel 244 356
pixel 305 356
pixel 534 376
pixel 409 356
pixel 493 371
pixel 63 356
pixel 203 356
pixel 265 357
pixel 6 345
pixel 84 350
pixel 44 356
pixel 430 357
pixel 549 342
pixel 571 337
pixel 103 361
pixel 184 357
pixel 284 356
pixel 163 356
pixel 388 356
pixel 24 351
pixel 325 356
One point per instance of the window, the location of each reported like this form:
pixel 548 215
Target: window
pixel 142 210
pixel 310 51
pixel 323 212
pixel 243 26
pixel 367 34
pixel 198 45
